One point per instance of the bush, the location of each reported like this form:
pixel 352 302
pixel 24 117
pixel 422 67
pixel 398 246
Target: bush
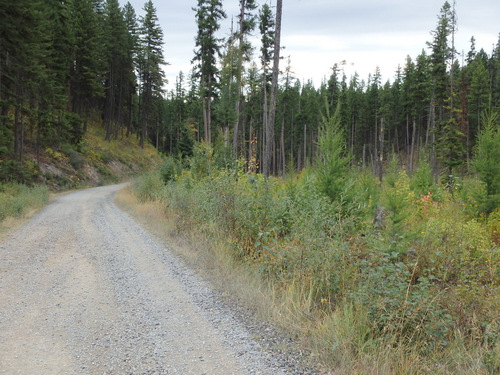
pixel 422 283
pixel 75 159
pixel 397 305
pixel 149 186
pixel 421 181
pixel 170 169
pixel 14 171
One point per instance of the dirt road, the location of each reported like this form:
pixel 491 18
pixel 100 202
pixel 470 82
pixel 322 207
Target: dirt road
pixel 85 290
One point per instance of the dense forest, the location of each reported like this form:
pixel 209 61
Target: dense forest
pixel 64 63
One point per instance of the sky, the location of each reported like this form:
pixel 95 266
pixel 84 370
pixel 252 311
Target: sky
pixel 317 34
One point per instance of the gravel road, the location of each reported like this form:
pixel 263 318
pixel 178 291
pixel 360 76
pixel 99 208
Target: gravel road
pixel 85 290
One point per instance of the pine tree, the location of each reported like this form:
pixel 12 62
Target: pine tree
pixel 20 67
pixel 333 161
pixel 225 110
pixel 129 79
pixel 487 160
pixel 441 52
pixel 115 43
pixel 267 31
pixel 86 71
pixel 494 69
pixel 151 74
pixel 246 24
pixel 208 15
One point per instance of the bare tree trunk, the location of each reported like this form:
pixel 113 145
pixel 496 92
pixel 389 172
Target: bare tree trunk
pixel 274 92
pixel 407 141
pixel 282 145
pixel 375 145
pixel 238 78
pixel 381 156
pixel 205 120
pixel 21 144
pixel 305 146
pixel 431 132
pixel 209 121
pixel 412 152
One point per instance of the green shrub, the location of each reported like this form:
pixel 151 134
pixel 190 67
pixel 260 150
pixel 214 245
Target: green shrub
pixel 421 181
pixel 399 306
pixel 75 159
pixel 14 171
pixel 170 169
pixel 429 276
pixel 149 186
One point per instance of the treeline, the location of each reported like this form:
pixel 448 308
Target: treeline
pixel 432 107
pixel 64 63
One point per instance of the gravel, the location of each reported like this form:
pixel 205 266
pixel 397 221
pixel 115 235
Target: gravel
pixel 85 290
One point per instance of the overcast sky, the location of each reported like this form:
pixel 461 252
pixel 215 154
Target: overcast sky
pixel 319 33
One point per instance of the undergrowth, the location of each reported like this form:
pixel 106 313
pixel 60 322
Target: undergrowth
pixel 17 199
pixel 416 292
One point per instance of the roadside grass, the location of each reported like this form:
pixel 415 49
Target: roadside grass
pixel 19 202
pixel 208 254
pixel 416 293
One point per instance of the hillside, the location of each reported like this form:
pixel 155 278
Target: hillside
pixel 93 162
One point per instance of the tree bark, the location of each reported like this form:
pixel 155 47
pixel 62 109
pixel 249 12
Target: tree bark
pixel 274 93
pixel 238 78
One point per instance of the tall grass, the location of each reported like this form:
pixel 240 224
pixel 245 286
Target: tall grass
pixel 417 293
pixel 17 199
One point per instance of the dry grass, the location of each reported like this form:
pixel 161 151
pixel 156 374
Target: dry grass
pixel 340 338
pixel 217 265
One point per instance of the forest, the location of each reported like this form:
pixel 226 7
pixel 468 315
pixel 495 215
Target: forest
pixel 65 63
pixel 369 210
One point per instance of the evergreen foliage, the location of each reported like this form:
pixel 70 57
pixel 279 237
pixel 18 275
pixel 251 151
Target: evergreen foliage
pixel 151 75
pixel 333 162
pixel 96 59
pixel 487 161
pixel 208 15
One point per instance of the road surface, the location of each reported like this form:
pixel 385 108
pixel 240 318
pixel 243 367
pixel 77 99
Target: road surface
pixel 85 290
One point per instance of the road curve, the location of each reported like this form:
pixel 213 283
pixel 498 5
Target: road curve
pixel 85 290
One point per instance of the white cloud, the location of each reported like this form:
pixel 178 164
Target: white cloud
pixel 319 33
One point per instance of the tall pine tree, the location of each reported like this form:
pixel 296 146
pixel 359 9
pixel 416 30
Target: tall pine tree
pixel 208 15
pixel 151 74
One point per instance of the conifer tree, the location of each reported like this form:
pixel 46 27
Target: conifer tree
pixel 128 78
pixel 246 24
pixel 115 37
pixel 439 57
pixel 267 31
pixel 333 161
pixel 151 74
pixel 487 160
pixel 208 15
pixel 86 71
pixel 20 66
